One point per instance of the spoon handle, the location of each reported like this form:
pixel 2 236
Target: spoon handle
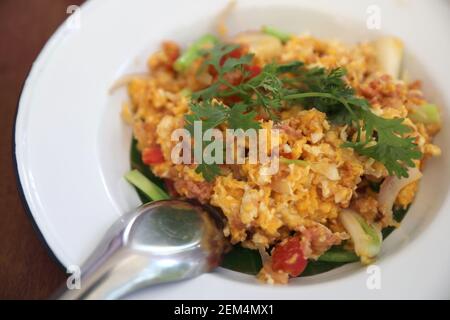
pixel 110 277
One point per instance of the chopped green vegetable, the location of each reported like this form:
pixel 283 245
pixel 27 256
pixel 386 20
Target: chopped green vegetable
pixel 374 186
pixel 146 186
pixel 242 260
pixel 398 215
pixel 366 238
pixel 427 113
pixel 138 164
pixel 338 254
pixel 194 52
pixel 318 267
pixel 283 36
pixel 186 92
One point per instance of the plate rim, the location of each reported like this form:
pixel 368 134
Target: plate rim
pixel 20 189
pixel 53 39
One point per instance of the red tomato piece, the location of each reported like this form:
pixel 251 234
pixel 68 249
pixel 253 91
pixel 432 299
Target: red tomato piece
pixel 288 257
pixel 152 155
pixel 254 71
pixel 236 54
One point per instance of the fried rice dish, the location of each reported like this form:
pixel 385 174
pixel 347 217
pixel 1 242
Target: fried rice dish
pixel 354 136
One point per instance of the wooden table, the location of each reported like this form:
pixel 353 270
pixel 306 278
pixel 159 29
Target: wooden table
pixel 26 269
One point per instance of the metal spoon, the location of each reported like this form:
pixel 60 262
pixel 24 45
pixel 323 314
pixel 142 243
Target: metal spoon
pixel 160 242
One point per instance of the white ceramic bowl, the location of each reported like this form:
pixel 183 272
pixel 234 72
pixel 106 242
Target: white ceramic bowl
pixel 72 148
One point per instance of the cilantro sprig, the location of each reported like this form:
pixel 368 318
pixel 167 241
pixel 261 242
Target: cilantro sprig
pixel 279 86
pixel 213 114
pixel 383 139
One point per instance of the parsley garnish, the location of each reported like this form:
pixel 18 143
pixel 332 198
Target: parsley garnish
pixel 211 115
pixel 281 85
pixel 384 141
pixel 208 171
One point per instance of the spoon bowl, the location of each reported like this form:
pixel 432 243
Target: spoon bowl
pixel 163 241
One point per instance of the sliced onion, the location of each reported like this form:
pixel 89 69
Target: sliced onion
pixel 389 51
pixel 263 45
pixel 389 191
pixel 222 18
pixel 427 113
pixel 265 257
pixel 329 170
pixel 282 186
pixel 366 238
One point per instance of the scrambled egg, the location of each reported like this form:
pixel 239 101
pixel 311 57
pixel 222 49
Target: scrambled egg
pixel 260 209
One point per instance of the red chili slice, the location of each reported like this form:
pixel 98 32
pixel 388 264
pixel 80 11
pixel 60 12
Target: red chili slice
pixel 152 155
pixel 288 257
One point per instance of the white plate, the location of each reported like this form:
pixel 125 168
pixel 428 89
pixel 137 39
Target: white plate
pixel 72 148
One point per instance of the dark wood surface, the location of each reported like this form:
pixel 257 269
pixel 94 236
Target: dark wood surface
pixel 26 269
